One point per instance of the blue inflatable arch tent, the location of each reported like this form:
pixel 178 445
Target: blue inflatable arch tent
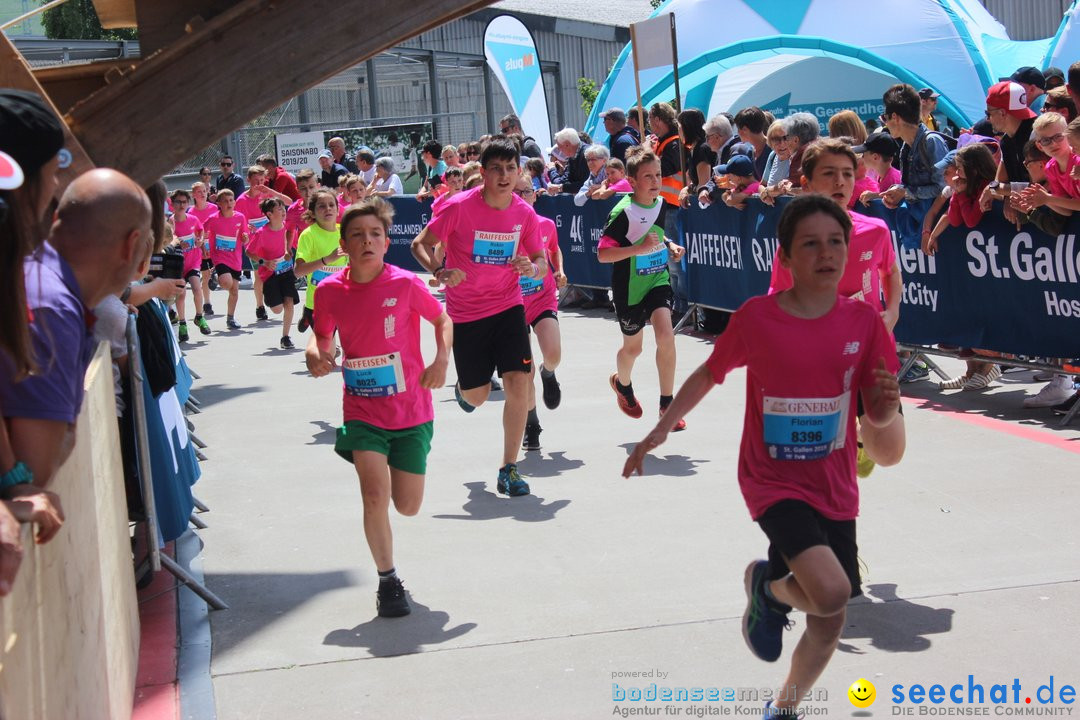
pixel 822 56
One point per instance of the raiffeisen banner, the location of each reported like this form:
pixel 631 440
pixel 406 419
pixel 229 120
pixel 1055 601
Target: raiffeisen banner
pixel 511 54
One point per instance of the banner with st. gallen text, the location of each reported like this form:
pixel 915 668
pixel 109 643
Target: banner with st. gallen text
pixel 991 286
pixel 511 55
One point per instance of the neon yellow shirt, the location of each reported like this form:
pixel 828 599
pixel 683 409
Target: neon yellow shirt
pixel 315 243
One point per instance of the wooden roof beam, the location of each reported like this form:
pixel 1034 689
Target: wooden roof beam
pixel 151 119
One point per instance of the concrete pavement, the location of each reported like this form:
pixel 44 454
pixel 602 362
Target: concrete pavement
pixel 533 607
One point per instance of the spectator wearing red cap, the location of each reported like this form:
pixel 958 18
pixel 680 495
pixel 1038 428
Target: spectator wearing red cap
pixel 1009 114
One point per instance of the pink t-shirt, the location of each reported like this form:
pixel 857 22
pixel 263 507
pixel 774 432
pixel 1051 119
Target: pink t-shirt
pixel 378 324
pixel 294 221
pixel 187 231
pixel 621 186
pixel 862 185
pixel 206 213
pixel 541 295
pixel 248 206
pixel 1060 182
pixel 226 236
pixel 481 240
pixel 802 377
pixel 269 244
pixel 893 177
pixel 870 253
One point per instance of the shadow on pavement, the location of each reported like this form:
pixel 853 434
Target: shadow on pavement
pixel 556 463
pixel 485 505
pixel 385 637
pixel 260 599
pixel 894 625
pixel 1004 404
pixel 669 465
pixel 327 434
pixel 210 394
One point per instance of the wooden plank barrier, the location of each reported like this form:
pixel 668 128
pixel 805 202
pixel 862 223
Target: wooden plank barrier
pixel 69 631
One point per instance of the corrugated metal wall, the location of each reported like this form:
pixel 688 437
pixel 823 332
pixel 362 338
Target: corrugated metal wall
pixel 1028 19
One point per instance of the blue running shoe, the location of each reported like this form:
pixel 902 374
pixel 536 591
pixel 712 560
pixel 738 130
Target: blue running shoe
pixel 461 400
pixel 763 625
pixel 510 482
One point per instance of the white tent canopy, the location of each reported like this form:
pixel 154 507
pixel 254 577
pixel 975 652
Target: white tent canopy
pixel 822 56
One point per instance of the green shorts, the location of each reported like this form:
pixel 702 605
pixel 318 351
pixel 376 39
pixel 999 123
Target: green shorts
pixel 405 449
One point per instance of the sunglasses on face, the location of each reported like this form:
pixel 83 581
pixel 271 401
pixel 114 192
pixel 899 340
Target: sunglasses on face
pixel 226 164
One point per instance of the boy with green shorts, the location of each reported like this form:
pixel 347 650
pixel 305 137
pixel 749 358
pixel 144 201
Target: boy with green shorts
pixel 375 309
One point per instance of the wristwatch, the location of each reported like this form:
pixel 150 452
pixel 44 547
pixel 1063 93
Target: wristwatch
pixel 18 475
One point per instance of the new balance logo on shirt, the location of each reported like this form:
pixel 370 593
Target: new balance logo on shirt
pixel 851 348
pixel 389 302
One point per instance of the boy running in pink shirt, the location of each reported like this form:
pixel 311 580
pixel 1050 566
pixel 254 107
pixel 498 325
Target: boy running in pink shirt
pixel 188 236
pixel 269 252
pixel 249 204
pixel 375 309
pixel 227 233
pixel 492 238
pixel 797 457
pixel 871 274
pixel 204 210
pixel 542 315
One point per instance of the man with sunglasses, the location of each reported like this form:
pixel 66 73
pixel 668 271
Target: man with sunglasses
pixel 512 124
pixel 1008 112
pixel 228 179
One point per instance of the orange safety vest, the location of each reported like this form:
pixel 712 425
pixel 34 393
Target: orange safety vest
pixel 670 185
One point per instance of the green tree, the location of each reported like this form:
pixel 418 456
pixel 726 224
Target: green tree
pixel 656 3
pixel 78 20
pixel 587 89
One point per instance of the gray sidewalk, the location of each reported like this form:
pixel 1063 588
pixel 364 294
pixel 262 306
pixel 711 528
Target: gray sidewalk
pixel 533 607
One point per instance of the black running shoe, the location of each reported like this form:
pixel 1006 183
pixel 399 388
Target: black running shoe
pixel 303 325
pixel 207 309
pixel 260 313
pixel 531 441
pixel 390 600
pixel 1063 408
pixel 287 343
pixel 552 391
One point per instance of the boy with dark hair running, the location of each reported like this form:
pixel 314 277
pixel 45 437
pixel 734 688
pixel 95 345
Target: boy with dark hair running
pixel 797 457
pixel 375 309
pixel 492 238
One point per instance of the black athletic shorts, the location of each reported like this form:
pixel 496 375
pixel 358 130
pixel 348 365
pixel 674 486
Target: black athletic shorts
pixel 793 526
pixel 498 342
pixel 278 287
pixel 633 318
pixel 192 273
pixel 222 270
pixel 207 264
pixel 545 314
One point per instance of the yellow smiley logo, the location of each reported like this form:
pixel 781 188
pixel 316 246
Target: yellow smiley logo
pixel 862 693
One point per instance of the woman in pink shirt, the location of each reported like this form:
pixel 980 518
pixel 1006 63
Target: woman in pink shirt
pixel 375 310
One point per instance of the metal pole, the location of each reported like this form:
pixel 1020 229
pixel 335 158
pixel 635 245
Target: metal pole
pixel 489 105
pixel 142 443
pixel 302 111
pixel 373 92
pixel 436 102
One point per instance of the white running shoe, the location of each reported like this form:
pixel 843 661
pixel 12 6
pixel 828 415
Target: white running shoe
pixel 1057 390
